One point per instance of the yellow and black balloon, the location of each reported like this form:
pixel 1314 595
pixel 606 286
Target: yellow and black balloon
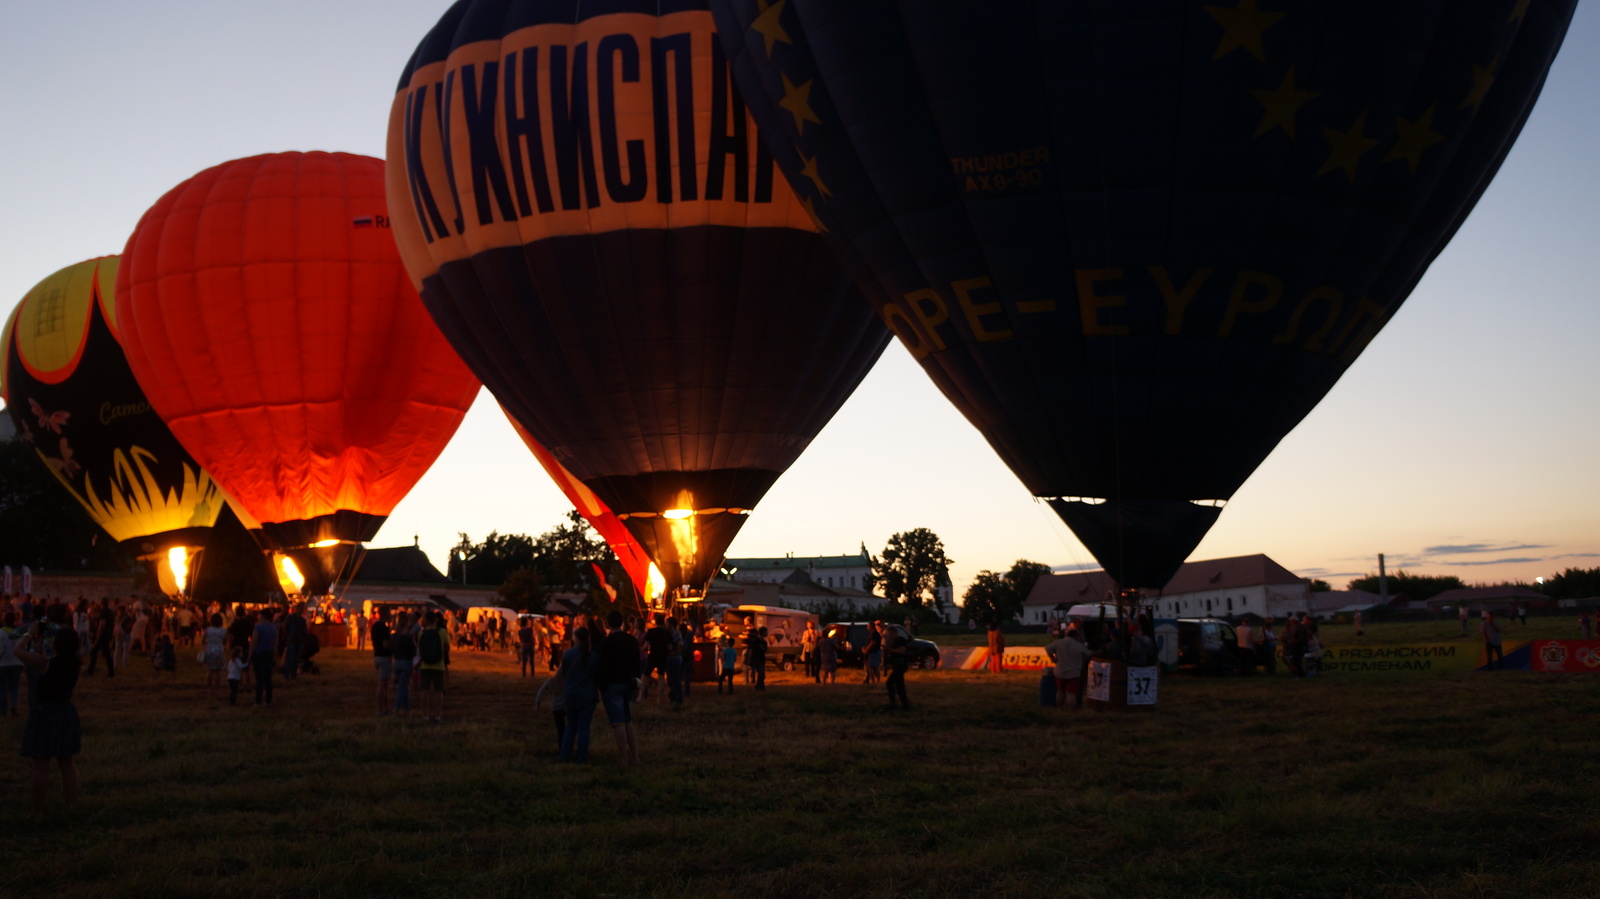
pixel 70 393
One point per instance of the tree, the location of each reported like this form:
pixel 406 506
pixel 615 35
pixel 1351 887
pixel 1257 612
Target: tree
pixel 912 568
pixel 1318 585
pixel 1416 586
pixel 493 560
pixel 998 598
pixel 1574 583
pixel 526 570
pixel 42 526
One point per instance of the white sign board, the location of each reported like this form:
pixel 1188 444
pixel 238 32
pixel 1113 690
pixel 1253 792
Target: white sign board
pixel 1099 681
pixel 1142 685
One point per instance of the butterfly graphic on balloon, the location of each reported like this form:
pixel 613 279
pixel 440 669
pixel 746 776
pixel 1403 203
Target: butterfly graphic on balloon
pixel 55 421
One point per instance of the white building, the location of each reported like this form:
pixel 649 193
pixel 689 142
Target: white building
pixel 1240 585
pixel 824 571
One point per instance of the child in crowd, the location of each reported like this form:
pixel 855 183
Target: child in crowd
pixel 727 662
pixel 236 668
pixel 165 656
pixel 1313 655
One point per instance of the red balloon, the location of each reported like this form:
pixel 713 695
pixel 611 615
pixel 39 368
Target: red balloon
pixel 268 317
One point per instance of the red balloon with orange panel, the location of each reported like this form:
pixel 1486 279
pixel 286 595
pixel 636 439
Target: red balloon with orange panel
pixel 268 317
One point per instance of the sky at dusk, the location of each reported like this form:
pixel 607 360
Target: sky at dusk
pixel 1465 440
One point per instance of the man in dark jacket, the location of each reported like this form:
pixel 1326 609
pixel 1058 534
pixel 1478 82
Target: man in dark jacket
pixel 617 676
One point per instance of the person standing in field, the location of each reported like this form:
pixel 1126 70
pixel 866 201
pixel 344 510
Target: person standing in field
pixel 658 642
pixel 10 666
pixel 686 638
pixel 1461 613
pixel 1246 647
pixel 997 649
pixel 403 651
pixel 53 730
pixel 808 652
pixel 896 650
pixel 525 646
pixel 827 659
pixel 360 623
pixel 872 653
pixel 1522 613
pixel 263 654
pixel 758 658
pixel 1070 656
pixel 382 658
pixel 578 695
pixel 433 648
pixel 1357 621
pixel 1493 656
pixel 105 635
pixel 1294 646
pixel 617 676
pixel 1263 654
pixel 294 637
pixel 1585 626
pixel 727 663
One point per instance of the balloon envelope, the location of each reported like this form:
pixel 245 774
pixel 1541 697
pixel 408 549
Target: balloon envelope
pixel 595 225
pixel 70 393
pixel 267 313
pixel 1136 242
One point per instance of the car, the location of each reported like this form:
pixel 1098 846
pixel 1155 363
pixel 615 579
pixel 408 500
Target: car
pixel 852 638
pixel 1209 646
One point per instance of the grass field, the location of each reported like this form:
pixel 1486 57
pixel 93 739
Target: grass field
pixel 1371 785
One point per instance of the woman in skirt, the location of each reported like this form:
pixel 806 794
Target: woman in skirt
pixel 52 730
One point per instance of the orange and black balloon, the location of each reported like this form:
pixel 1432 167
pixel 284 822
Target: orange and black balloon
pixel 595 225
pixel 268 317
pixel 1135 242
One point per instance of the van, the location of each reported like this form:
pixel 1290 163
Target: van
pixel 1209 646
pixel 784 629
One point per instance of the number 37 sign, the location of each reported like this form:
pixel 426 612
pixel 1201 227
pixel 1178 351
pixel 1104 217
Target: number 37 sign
pixel 1143 683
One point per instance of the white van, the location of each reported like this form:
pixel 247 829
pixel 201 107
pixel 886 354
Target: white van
pixel 784 627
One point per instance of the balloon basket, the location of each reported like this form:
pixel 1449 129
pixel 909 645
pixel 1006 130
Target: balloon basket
pixel 1112 685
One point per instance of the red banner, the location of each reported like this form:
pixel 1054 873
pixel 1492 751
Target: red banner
pixel 1566 655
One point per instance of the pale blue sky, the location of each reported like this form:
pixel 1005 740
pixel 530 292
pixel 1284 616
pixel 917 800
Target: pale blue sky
pixel 1464 441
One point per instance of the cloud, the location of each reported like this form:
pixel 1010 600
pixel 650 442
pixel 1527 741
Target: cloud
pixel 1494 561
pixel 1464 548
pixel 1577 556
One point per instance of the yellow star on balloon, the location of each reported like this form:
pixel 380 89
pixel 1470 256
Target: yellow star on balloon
pixel 811 210
pixel 1347 148
pixel 810 171
pixel 1482 79
pixel 768 25
pixel 1413 138
pixel 1281 105
pixel 797 100
pixel 1242 28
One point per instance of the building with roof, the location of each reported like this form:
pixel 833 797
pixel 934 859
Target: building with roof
pixel 406 574
pixel 851 570
pixel 1241 585
pixel 1495 599
pixel 848 575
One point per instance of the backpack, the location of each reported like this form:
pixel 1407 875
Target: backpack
pixel 431 646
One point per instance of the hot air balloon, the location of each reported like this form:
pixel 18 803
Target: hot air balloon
pixel 1136 242
pixel 268 317
pixel 594 224
pixel 646 578
pixel 70 394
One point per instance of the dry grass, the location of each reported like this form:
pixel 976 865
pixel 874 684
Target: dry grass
pixel 1433 785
